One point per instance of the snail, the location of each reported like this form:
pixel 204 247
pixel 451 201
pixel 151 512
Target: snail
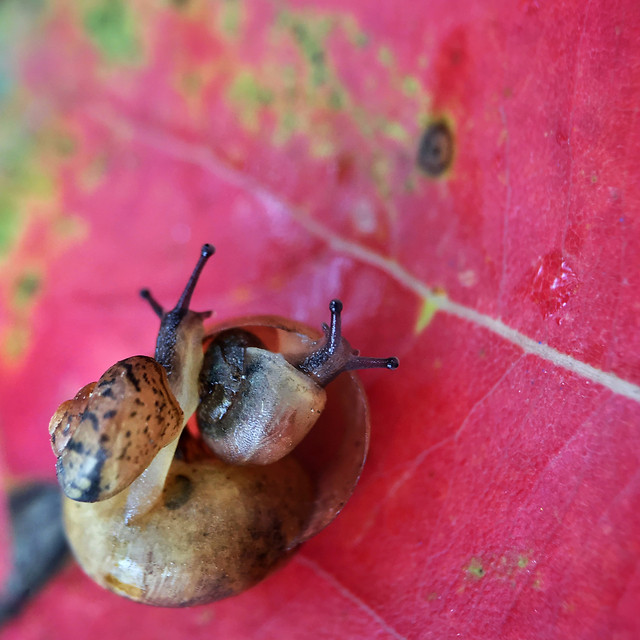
pixel 175 514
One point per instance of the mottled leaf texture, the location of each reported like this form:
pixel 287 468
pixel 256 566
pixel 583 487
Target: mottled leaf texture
pixel 463 175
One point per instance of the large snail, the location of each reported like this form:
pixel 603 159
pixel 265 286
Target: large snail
pixel 175 517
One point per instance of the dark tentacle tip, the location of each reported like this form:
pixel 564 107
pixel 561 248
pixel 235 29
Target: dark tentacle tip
pixel 207 250
pixel 335 306
pixel 392 363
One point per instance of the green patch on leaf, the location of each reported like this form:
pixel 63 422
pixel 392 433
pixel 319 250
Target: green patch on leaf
pixel 427 312
pixel 230 18
pixel 9 224
pixel 310 34
pixel 475 568
pixel 65 145
pixel 248 95
pixel 395 131
pixel 23 178
pixel 112 26
pixel 14 343
pixel 26 289
pixel 410 85
pixel 385 56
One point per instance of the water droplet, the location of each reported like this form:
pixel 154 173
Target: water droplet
pixel 553 283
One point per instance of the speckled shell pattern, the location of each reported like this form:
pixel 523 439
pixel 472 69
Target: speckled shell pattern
pixel 106 436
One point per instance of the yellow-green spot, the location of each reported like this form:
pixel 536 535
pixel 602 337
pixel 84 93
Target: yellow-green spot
pixel 14 343
pixel 322 147
pixel 112 26
pixel 310 33
pixel 410 184
pixel 288 125
pixel 395 131
pixel 10 224
pixel 65 145
pixel 230 17
pixel 26 289
pixel 410 85
pixel 356 37
pixel 475 568
pixel 594 178
pixel 191 83
pixel 249 96
pixel 385 56
pixel 337 98
pixel 427 312
pixel 361 40
pixel 523 561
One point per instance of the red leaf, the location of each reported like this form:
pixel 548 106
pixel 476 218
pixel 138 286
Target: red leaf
pixel 500 497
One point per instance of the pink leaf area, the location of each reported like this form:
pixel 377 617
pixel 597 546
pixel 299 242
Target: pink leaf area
pixel 500 497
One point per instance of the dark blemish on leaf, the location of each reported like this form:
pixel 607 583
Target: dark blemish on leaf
pixel 133 414
pixel 435 152
pixel 107 393
pixel 104 438
pixel 177 492
pixel 128 434
pixel 109 414
pixel 138 402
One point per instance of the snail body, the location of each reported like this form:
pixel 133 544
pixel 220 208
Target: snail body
pixel 256 406
pixel 171 516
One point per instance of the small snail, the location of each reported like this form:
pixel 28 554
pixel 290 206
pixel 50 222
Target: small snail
pixel 171 516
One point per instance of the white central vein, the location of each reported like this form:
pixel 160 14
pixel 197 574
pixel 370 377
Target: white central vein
pixel 203 157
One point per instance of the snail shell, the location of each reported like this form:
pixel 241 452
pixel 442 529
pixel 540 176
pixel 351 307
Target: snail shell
pixel 216 532
pixel 113 428
pixel 219 528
